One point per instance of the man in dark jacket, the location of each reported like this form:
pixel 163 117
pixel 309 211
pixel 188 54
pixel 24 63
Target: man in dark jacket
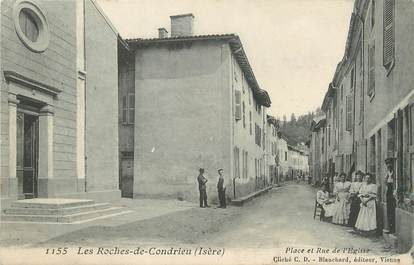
pixel 221 188
pixel 202 188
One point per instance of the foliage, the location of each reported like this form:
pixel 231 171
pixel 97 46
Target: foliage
pixel 297 130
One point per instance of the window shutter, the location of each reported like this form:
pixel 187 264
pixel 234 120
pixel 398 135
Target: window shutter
pixel 237 96
pixel 349 113
pixel 124 109
pixel 371 70
pixel 131 108
pixel 244 116
pixel 388 33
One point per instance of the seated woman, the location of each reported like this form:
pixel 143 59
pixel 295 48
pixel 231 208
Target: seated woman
pixel 367 217
pixel 342 207
pixel 322 197
pixel 354 199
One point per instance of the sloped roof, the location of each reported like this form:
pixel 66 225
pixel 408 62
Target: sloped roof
pixel 236 47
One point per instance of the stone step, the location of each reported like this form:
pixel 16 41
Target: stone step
pixel 56 211
pixel 70 218
pixel 50 203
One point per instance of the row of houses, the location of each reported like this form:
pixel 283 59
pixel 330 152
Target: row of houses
pixel 209 113
pixel 368 109
pixel 87 114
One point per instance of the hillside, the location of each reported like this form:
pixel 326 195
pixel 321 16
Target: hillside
pixel 297 128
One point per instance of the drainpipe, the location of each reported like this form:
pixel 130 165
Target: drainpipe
pixel 234 188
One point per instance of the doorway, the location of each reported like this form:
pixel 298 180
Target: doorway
pixel 127 177
pixel 27 141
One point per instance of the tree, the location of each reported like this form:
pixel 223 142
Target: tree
pixel 293 117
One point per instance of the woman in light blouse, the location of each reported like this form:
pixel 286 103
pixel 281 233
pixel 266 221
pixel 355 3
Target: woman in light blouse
pixel 367 217
pixel 342 207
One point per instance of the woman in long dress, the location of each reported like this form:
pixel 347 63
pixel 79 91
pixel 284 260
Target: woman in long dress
pixel 322 197
pixel 342 207
pixel 355 201
pixel 367 217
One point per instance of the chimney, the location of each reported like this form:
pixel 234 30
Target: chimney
pixel 162 33
pixel 182 25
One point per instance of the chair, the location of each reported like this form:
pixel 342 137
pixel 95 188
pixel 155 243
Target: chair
pixel 318 211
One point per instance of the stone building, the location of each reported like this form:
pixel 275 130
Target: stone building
pixel 317 160
pixel 58 69
pixel 188 102
pixel 282 149
pixel 369 105
pixel 272 154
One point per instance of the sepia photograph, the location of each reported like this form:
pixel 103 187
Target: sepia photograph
pixel 206 132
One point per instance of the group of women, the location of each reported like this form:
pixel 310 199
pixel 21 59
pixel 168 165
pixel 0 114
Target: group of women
pixel 353 203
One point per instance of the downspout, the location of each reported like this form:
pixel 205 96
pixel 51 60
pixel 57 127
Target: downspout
pixel 84 94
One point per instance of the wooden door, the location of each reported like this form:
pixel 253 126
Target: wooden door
pixel 27 137
pixel 127 177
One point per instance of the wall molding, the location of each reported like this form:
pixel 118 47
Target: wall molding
pixel 12 76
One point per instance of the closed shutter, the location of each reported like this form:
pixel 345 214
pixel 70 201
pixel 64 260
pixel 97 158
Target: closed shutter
pixel 349 113
pixel 131 108
pixel 237 96
pixel 388 34
pixel 371 70
pixel 124 109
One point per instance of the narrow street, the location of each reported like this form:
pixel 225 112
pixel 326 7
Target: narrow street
pixel 283 217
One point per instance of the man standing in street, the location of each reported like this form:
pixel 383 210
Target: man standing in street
pixel 221 188
pixel 390 184
pixel 202 188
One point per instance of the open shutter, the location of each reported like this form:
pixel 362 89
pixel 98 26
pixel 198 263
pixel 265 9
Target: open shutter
pixel 349 113
pixel 371 70
pixel 388 33
pixel 237 96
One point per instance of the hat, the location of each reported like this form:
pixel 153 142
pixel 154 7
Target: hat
pixel 218 170
pixel 201 170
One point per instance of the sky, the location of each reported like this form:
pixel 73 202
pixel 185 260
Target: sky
pixel 293 46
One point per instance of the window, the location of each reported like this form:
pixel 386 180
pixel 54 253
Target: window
pixel 341 132
pixel 237 96
pixel 258 135
pixel 250 99
pixel 372 155
pixel 371 70
pixel 128 108
pixel 285 156
pixel 352 79
pixel 236 162
pixel 329 135
pixel 264 140
pixel 372 14
pixel 342 92
pixel 349 113
pixel 31 26
pixel 388 34
pixel 322 144
pixel 244 115
pixel 250 119
pixel 242 81
pixel 28 25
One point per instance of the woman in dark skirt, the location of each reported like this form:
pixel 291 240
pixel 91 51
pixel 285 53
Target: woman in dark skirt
pixel 354 199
